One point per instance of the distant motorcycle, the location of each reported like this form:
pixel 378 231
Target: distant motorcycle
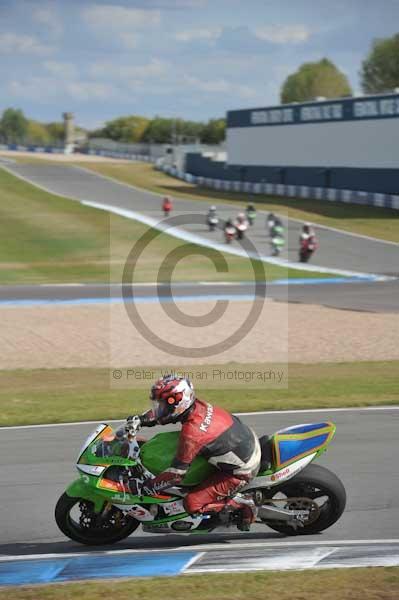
pixel 270 222
pixel 277 240
pixel 229 233
pixel 241 229
pixel 241 225
pixel 167 206
pixel 251 215
pixel 213 222
pixel 307 246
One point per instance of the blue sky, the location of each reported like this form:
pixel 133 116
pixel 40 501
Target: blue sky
pixel 189 58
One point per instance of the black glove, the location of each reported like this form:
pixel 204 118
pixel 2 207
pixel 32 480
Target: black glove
pixel 147 421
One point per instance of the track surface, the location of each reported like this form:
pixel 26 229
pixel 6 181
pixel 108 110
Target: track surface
pixel 364 296
pixel 337 250
pixel 37 463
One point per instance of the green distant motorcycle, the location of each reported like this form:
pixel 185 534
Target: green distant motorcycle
pixel 293 496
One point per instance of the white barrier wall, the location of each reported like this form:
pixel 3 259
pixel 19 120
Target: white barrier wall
pixel 353 133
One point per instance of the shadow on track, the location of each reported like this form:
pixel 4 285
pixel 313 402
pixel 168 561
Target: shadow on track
pixel 135 543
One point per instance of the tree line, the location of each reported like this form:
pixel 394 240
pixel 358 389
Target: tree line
pixel 15 128
pixel 160 130
pixel 379 74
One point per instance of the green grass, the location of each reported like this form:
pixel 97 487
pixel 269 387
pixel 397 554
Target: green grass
pixel 49 239
pixel 66 395
pixel 376 222
pixel 380 583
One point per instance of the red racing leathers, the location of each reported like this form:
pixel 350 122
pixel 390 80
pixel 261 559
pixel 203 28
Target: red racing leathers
pixel 225 442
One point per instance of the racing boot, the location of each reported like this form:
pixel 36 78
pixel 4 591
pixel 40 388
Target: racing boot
pixel 247 511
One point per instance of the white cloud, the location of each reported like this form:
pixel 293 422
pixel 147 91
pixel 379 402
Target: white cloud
pixel 203 85
pixel 12 43
pixel 47 16
pixel 128 39
pixel 190 35
pixel 46 89
pixel 220 86
pixel 283 34
pixel 62 70
pixel 39 89
pixel 154 69
pixel 89 90
pixel 120 18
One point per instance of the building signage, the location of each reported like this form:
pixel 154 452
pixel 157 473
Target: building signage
pixel 351 109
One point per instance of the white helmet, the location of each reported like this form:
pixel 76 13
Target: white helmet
pixel 171 397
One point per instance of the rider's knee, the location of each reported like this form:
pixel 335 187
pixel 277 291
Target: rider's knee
pixel 192 504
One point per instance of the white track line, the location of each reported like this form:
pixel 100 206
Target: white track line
pixel 193 238
pixel 192 561
pixel 243 414
pixel 201 548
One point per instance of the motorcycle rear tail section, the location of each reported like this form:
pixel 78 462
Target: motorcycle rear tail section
pixel 290 445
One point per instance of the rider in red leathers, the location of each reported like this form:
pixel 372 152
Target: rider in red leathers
pixel 167 205
pixel 220 437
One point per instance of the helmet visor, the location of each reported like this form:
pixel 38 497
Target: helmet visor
pixel 160 408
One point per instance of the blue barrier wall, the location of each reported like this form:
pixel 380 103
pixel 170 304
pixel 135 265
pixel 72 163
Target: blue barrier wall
pixel 390 201
pixel 369 180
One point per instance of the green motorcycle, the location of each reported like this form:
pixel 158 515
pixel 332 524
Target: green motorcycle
pixel 293 496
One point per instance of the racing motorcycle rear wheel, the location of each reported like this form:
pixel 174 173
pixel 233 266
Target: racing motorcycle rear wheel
pixel 315 489
pixel 78 521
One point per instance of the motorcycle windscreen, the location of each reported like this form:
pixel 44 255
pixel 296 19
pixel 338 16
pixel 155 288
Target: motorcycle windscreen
pixel 103 448
pixel 294 443
pixel 158 453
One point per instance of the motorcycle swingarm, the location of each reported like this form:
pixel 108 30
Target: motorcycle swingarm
pixel 272 513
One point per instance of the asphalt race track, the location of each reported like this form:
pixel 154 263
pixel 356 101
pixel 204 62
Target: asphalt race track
pixel 380 296
pixel 36 463
pixel 337 249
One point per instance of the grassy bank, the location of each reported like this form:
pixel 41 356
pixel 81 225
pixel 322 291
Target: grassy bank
pixel 49 239
pixel 332 584
pixel 376 222
pixel 64 395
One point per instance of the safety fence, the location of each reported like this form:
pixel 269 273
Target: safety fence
pixel 33 148
pixel 290 191
pixel 124 155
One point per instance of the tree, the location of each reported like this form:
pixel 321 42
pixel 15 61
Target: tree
pixel 380 70
pixel 56 132
pixel 37 134
pixel 125 129
pixel 13 126
pixel 214 131
pixel 311 80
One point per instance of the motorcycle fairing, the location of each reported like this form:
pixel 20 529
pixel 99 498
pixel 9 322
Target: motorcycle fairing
pixel 157 455
pixel 293 443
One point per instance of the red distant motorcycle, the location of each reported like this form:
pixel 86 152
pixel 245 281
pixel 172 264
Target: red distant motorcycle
pixel 167 206
pixel 307 246
pixel 241 225
pixel 229 233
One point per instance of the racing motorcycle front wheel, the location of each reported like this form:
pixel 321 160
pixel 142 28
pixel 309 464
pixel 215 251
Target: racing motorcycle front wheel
pixel 315 490
pixel 77 520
